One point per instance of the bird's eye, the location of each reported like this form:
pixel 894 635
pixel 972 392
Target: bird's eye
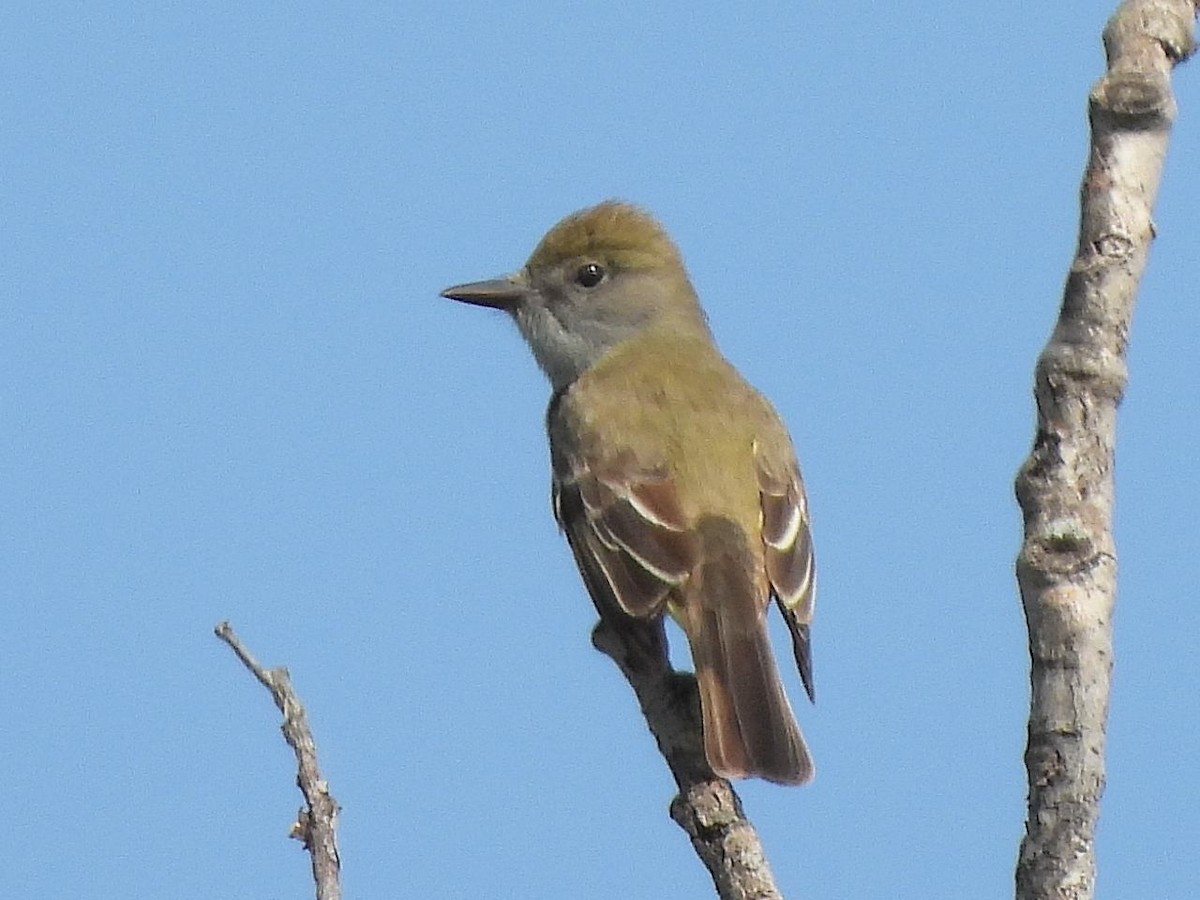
pixel 589 275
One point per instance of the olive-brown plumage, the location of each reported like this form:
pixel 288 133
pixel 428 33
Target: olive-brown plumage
pixel 674 481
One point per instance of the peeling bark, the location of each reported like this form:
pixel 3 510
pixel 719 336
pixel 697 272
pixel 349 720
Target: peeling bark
pixel 1067 566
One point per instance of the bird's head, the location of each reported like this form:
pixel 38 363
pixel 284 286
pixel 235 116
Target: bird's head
pixel 598 278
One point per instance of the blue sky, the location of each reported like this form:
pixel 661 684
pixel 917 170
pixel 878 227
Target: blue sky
pixel 228 389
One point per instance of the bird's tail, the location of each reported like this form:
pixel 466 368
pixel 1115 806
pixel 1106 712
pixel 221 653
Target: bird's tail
pixel 749 726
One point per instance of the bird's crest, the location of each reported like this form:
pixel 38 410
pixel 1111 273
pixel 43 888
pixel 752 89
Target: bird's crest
pixel 614 231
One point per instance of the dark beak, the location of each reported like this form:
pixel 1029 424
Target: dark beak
pixel 499 293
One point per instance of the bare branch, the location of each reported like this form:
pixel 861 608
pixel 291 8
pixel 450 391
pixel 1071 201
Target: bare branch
pixel 316 823
pixel 1067 565
pixel 707 807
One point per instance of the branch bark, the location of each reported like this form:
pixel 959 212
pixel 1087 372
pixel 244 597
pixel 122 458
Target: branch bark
pixel 706 807
pixel 1067 566
pixel 316 823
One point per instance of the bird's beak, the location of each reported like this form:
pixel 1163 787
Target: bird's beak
pixel 499 293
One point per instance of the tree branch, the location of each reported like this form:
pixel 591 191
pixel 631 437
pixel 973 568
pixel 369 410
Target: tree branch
pixel 316 823
pixel 1067 564
pixel 707 807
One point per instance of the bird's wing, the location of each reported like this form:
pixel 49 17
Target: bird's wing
pixel 625 526
pixel 787 542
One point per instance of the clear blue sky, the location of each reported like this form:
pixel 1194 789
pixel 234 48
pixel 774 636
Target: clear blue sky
pixel 228 389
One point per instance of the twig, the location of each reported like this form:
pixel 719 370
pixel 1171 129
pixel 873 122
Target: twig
pixel 1067 564
pixel 317 822
pixel 707 807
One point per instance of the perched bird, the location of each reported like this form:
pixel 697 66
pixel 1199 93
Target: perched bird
pixel 674 480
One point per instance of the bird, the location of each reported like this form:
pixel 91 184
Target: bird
pixel 675 482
